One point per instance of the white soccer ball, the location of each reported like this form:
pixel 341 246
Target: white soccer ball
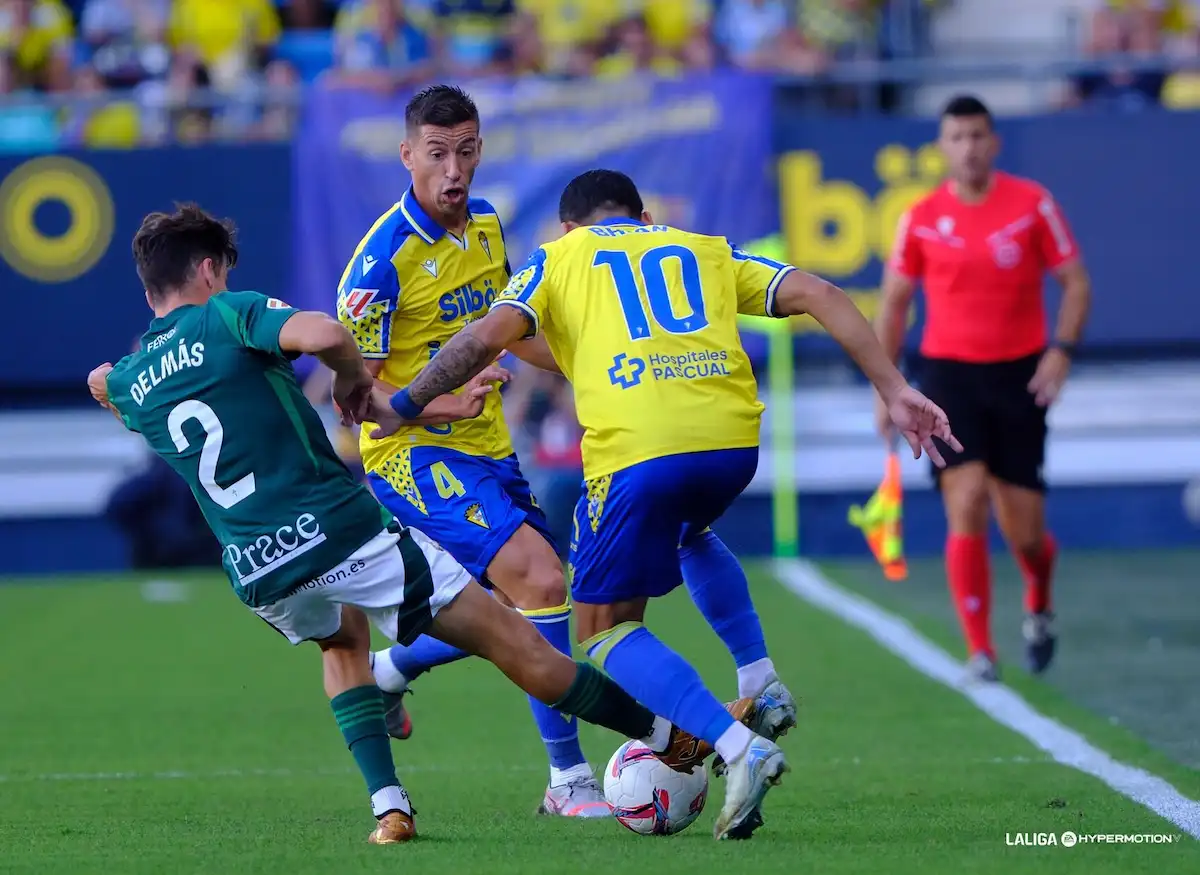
pixel 651 798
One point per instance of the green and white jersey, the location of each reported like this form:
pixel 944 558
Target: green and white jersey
pixel 214 395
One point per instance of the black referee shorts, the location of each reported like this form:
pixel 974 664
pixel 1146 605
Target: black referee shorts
pixel 993 415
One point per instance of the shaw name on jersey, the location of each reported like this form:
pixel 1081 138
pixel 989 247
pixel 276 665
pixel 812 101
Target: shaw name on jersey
pixel 660 369
pixel 411 286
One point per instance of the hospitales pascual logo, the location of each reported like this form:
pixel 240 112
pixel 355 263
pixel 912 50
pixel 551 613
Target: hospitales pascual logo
pixel 1070 839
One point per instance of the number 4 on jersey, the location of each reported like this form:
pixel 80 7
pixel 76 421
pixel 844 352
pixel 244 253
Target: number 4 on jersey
pixel 448 486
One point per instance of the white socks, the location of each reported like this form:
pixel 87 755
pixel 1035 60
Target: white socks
pixel 393 798
pixel 387 678
pixel 660 735
pixel 731 745
pixel 733 742
pixel 754 678
pixel 558 777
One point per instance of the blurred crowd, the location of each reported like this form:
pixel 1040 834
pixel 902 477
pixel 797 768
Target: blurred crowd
pixel 119 73
pixel 165 59
pixel 1148 28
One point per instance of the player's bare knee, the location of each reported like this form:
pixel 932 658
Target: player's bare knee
pixel 1026 538
pixel 547 586
pixel 591 620
pixel 528 571
pixel 965 494
pixel 540 585
pixel 1021 513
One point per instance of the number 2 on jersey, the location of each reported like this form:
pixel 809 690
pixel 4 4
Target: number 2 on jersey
pixel 654 278
pixel 214 435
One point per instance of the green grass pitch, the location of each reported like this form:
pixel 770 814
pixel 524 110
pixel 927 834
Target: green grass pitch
pixel 144 736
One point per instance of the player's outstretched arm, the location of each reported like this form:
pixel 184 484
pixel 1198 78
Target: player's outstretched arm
pixel 891 321
pixel 463 357
pixel 535 351
pixel 324 337
pixel 801 292
pixel 448 408
pixel 916 417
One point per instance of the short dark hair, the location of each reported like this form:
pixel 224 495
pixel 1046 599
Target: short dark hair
pixel 967 106
pixel 169 247
pixel 599 191
pixel 442 106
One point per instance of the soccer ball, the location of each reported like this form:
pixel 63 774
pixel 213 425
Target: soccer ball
pixel 651 798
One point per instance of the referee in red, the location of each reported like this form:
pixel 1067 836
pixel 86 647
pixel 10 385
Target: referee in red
pixel 980 245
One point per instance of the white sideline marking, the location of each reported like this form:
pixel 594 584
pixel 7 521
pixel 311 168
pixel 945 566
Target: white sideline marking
pixel 996 700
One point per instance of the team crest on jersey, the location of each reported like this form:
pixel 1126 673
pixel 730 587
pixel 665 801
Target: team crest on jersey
pixel 276 304
pixel 476 515
pixel 487 247
pixel 1007 253
pixel 357 302
pixel 1005 250
pixel 431 266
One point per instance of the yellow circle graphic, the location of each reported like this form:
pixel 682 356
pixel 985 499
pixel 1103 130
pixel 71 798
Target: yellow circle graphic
pixel 89 230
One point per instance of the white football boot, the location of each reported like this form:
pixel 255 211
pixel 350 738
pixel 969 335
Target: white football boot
pixel 577 797
pixel 775 711
pixel 747 780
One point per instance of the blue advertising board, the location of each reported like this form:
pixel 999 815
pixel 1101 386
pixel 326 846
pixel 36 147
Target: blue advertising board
pixel 1127 187
pixel 699 149
pixel 71 294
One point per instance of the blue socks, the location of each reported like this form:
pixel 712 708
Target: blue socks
pixel 560 732
pixel 660 679
pixel 720 590
pixel 422 655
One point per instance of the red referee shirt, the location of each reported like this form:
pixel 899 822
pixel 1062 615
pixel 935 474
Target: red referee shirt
pixel 983 267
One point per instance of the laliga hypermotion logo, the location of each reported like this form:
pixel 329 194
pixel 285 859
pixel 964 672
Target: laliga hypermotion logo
pixel 1070 839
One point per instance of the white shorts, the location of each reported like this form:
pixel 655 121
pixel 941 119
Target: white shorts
pixel 400 581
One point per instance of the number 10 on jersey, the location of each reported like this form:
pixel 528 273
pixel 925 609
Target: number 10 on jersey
pixel 654 278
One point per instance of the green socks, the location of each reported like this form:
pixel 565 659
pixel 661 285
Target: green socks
pixel 595 698
pixel 359 714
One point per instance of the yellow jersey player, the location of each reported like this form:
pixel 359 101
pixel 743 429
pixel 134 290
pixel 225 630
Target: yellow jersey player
pixel 431 264
pixel 303 543
pixel 669 405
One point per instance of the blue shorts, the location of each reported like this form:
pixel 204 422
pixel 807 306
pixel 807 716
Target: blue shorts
pixel 471 505
pixel 630 525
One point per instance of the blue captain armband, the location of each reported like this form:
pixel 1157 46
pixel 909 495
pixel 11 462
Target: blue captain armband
pixel 403 404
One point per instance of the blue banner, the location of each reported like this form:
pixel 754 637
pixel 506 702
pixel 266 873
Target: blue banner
pixel 698 149
pixel 1127 186
pixel 72 295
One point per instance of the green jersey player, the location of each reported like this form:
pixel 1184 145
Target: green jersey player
pixel 306 547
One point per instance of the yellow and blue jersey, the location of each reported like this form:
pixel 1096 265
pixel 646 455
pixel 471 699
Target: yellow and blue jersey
pixel 411 286
pixel 660 369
